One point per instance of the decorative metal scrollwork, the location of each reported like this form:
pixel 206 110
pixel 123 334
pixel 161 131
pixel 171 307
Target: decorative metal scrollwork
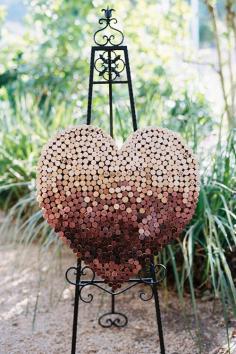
pixel 72 271
pixel 157 273
pixel 86 270
pixel 87 298
pixel 114 38
pixel 83 271
pixel 103 64
pixel 116 319
pixel 145 296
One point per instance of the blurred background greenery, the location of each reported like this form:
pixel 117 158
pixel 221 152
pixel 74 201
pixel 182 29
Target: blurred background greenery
pixel 183 61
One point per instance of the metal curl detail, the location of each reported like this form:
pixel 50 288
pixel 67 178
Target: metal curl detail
pixel 83 272
pixel 67 275
pixel 115 64
pixel 120 320
pixel 144 297
pixel 85 298
pixel 108 39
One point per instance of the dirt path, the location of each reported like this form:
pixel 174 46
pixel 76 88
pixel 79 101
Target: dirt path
pixel 36 314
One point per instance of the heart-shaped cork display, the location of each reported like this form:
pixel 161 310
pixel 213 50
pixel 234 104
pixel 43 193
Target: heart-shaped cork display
pixel 117 207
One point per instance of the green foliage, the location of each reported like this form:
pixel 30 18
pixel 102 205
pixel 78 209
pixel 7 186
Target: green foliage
pixel 22 136
pixel 200 260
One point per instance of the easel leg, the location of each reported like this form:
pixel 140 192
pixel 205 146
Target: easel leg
pixel 76 308
pixel 158 311
pixel 112 303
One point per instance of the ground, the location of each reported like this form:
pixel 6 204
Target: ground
pixel 36 314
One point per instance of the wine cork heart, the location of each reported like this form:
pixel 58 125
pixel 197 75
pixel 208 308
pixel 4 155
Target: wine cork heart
pixel 117 207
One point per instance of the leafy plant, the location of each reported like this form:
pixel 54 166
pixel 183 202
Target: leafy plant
pixel 22 136
pixel 224 30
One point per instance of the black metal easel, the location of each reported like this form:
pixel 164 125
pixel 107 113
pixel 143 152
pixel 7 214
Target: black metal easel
pixel 110 60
